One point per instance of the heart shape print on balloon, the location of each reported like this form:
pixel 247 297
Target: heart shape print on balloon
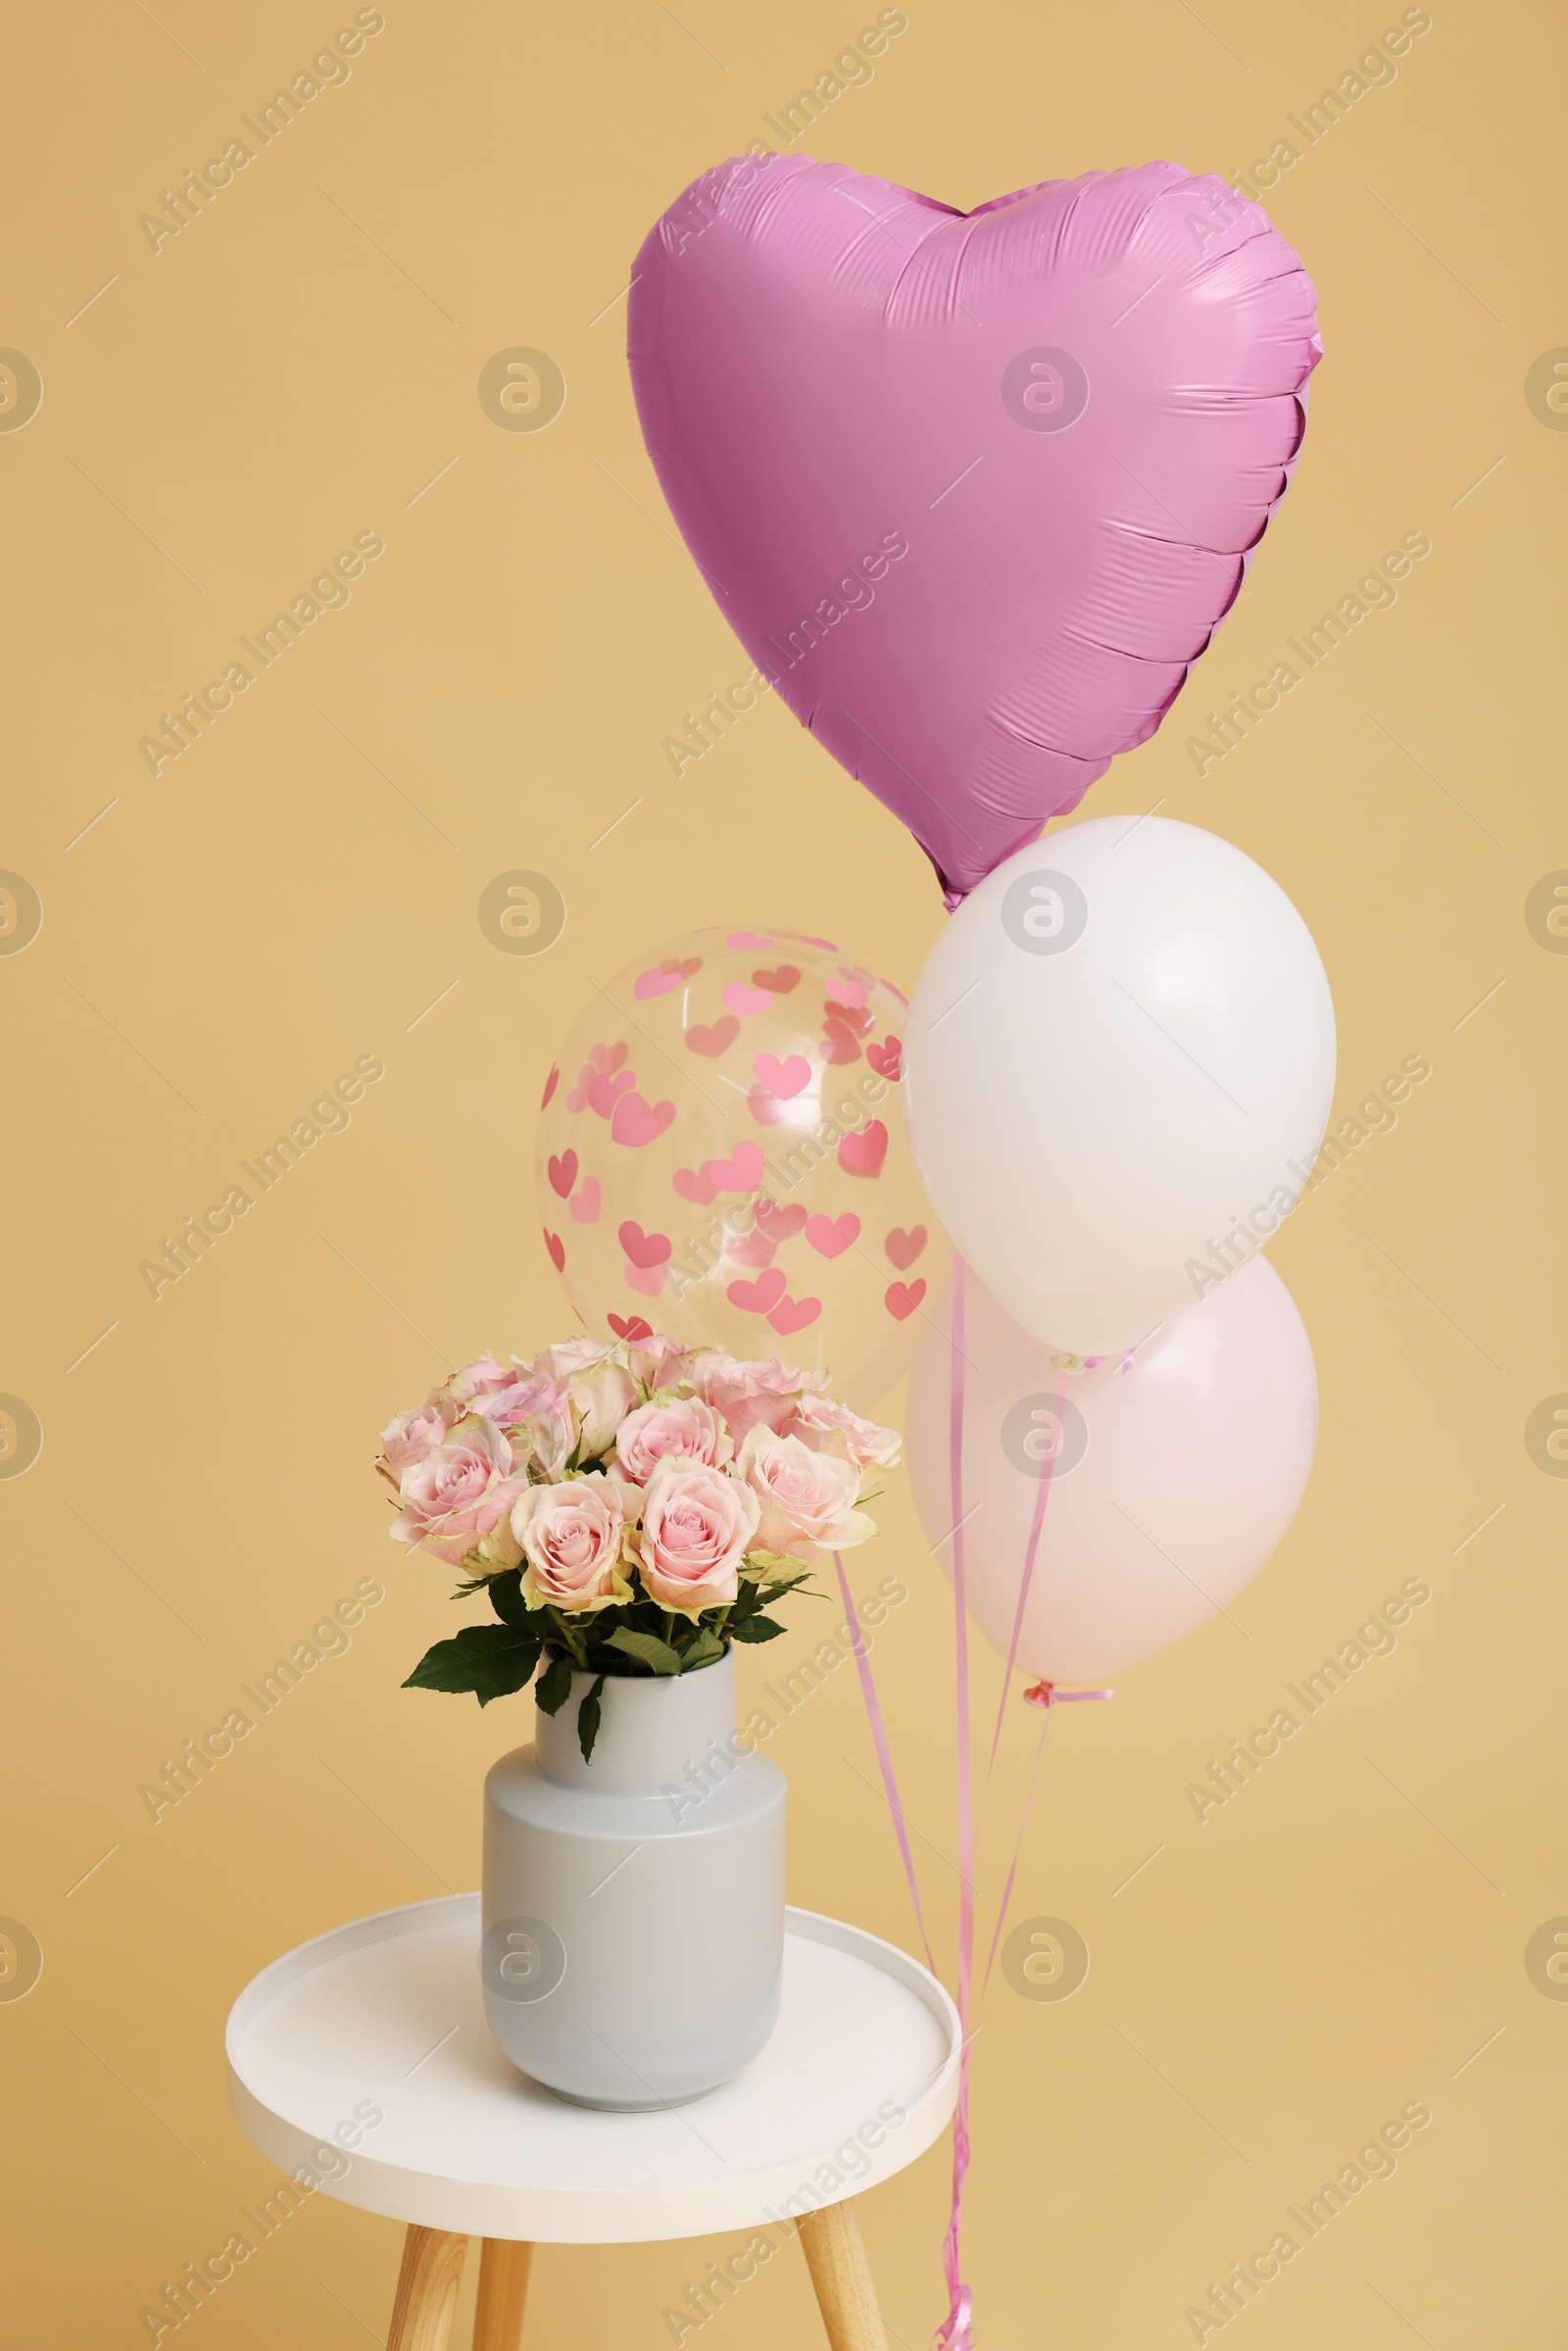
pixel 764 1238
pixel 980 486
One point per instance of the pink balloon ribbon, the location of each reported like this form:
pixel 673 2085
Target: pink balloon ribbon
pixel 954 2334
pixel 1044 1695
pixel 1012 1868
pixel 884 1756
pixel 1038 1521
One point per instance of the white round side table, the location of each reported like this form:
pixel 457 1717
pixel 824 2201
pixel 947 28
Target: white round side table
pixel 362 2061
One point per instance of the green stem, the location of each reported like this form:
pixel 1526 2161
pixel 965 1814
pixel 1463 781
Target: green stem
pixel 569 1638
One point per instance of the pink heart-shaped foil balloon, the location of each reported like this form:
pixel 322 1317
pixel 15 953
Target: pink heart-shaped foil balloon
pixel 973 489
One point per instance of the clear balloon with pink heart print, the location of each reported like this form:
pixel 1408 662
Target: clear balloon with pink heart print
pixel 721 1156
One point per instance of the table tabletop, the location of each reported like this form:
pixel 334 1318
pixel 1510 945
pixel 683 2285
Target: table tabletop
pixel 364 2057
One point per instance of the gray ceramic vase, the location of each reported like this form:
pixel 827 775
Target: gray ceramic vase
pixel 635 1905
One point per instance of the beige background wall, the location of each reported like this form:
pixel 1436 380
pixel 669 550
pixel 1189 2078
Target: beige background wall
pixel 300 887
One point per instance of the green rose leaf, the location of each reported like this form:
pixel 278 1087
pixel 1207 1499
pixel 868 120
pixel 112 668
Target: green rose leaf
pixel 756 1627
pixel 703 1650
pixel 506 1598
pixel 588 1720
pixel 490 1660
pixel 647 1649
pixel 555 1686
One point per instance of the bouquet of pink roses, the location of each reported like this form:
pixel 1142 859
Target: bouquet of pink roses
pixel 629 1509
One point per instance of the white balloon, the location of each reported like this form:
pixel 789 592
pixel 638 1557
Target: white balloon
pixel 1172 1479
pixel 1120 1065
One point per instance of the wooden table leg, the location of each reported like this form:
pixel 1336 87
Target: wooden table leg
pixel 428 2289
pixel 842 2276
pixel 504 2264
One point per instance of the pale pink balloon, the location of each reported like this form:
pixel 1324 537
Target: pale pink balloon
pixel 1170 1483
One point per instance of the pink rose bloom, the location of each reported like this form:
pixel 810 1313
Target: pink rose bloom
pixel 808 1499
pixel 541 1445
pixel 660 1362
pixel 830 1428
pixel 571 1537
pixel 537 1418
pixel 571 1355
pixel 654 1362
pixel 409 1436
pixel 698 1525
pixel 687 1428
pixel 601 1398
pixel 494 1552
pixel 484 1376
pixel 520 1394
pixel 457 1494
pixel 749 1394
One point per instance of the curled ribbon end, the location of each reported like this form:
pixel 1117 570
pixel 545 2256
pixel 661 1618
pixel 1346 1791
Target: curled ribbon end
pixel 955 2332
